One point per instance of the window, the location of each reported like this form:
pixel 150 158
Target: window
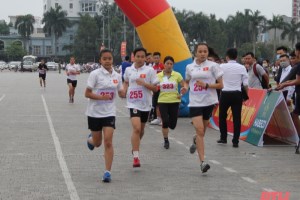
pixel 1 45
pixel 36 50
pixel 71 37
pixel 48 50
pixel 57 49
pixel 56 5
pixel 88 7
pixel 71 6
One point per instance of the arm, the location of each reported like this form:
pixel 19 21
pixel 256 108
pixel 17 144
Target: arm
pixel 89 94
pixel 149 86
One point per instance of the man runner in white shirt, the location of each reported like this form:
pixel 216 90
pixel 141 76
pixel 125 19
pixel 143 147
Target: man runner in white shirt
pixel 139 81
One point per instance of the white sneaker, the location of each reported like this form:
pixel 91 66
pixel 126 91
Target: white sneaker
pixel 155 122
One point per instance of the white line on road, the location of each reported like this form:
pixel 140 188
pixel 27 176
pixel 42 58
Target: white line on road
pixel 268 190
pixel 178 142
pixel 215 162
pixel 250 180
pixel 2 97
pixel 60 156
pixel 230 170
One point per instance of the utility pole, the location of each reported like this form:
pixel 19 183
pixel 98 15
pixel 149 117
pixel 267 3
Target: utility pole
pixel 124 27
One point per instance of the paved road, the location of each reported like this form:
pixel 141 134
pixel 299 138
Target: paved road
pixel 43 154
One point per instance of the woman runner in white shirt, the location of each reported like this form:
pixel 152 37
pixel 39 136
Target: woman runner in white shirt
pixel 203 78
pixel 102 87
pixel 139 81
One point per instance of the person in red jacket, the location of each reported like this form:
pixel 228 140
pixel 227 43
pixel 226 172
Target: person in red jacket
pixel 158 67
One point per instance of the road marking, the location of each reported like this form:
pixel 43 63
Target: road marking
pixel 230 170
pixel 250 180
pixel 178 142
pixel 215 162
pixel 2 97
pixel 268 190
pixel 62 163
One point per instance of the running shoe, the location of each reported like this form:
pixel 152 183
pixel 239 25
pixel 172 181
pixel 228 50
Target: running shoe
pixel 204 167
pixel 90 146
pixel 193 147
pixel 136 162
pixel 106 177
pixel 155 122
pixel 167 144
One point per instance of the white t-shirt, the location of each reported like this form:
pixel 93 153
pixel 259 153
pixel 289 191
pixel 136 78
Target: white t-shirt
pixel 72 68
pixel 207 72
pixel 139 97
pixel 102 82
pixel 234 75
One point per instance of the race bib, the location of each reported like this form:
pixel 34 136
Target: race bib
pixel 136 94
pixel 103 92
pixel 168 87
pixel 195 89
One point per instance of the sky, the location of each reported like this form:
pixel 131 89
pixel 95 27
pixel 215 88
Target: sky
pixel 221 8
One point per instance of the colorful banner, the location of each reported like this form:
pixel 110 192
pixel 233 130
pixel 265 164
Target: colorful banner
pixel 263 114
pixel 273 120
pixel 249 112
pixel 123 49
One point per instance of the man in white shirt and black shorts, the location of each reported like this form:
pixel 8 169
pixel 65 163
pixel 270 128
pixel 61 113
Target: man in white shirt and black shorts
pixel 139 81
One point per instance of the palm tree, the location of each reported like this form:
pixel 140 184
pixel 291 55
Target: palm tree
pixel 255 21
pixel 292 31
pixel 24 24
pixel 276 23
pixel 56 22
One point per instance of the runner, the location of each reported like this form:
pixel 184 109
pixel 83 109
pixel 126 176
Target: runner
pixel 102 86
pixel 203 77
pixel 169 98
pixel 72 70
pixel 139 81
pixel 42 68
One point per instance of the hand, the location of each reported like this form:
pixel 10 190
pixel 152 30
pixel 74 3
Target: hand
pixel 280 86
pixel 122 94
pixel 106 97
pixel 201 83
pixel 183 90
pixel 140 81
pixel 289 102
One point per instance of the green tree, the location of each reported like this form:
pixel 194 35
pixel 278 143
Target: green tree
pixel 255 21
pixel 85 47
pixel 4 28
pixel 24 24
pixel 56 22
pixel 292 31
pixel 275 23
pixel 15 51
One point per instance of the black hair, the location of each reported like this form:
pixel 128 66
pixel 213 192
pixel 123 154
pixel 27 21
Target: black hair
pixel 250 53
pixel 232 53
pixel 156 54
pixel 297 46
pixel 201 44
pixel 282 48
pixel 169 58
pixel 267 60
pixel 105 51
pixel 284 55
pixel 149 54
pixel 293 54
pixel 139 49
pixel 127 58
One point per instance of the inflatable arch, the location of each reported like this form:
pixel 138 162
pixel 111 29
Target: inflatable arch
pixel 158 30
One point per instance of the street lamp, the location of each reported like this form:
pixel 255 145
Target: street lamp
pixel 193 43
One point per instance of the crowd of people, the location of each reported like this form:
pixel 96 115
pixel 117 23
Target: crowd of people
pixel 153 91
